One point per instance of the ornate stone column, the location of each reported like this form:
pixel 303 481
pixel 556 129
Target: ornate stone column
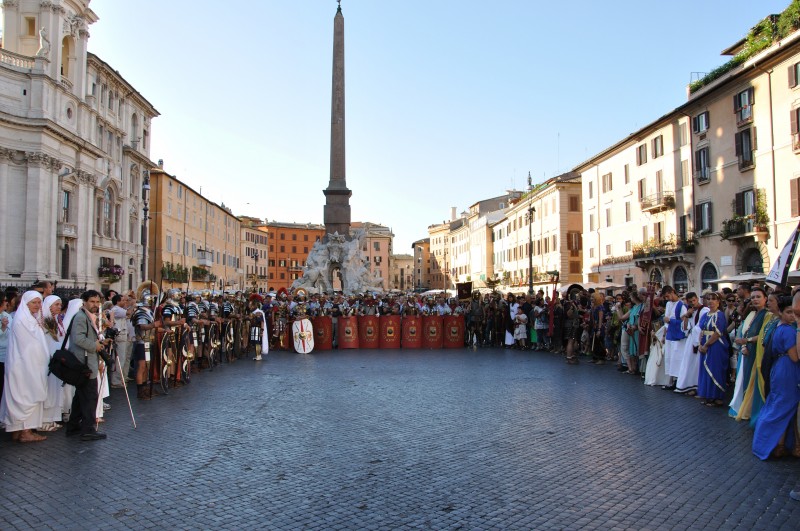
pixel 5 156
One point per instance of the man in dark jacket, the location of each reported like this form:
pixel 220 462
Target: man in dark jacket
pixel 85 344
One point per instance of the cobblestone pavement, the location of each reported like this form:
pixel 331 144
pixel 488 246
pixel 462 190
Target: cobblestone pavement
pixel 493 439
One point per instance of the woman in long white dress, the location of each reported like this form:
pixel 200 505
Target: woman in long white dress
pixel 54 334
pixel 655 373
pixel 22 406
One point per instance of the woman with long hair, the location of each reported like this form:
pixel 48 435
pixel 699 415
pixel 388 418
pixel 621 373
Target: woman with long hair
pixel 746 344
pixel 776 417
pixel 713 350
pixel 754 395
pixel 54 334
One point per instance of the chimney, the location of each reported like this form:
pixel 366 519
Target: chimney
pixel 452 213
pixel 161 163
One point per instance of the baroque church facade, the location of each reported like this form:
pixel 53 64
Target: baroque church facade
pixel 74 153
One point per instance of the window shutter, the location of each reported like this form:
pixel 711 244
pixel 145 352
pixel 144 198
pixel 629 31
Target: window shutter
pixel 793 120
pixel 695 125
pixel 753 139
pixel 708 119
pixel 795 188
pixel 737 140
pixel 793 76
pixel 710 218
pixel 739 202
pixel 751 96
pixel 638 157
pixel 698 218
pixel 736 106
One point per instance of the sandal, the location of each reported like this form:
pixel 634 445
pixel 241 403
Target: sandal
pixel 30 437
pixel 692 393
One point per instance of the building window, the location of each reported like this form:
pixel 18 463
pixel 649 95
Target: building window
pixel 641 154
pixel 169 243
pixel 794 193
pixel 627 210
pixel 703 221
pixel 627 246
pixel 745 142
pixel 709 276
pixel 65 196
pixel 607 182
pixel 682 134
pixel 574 203
pixel 608 250
pixel 591 222
pixel 608 217
pixel 658 146
pixel 283 248
pixel 700 123
pixel 627 173
pixel 376 246
pixel 294 237
pixel 591 190
pixel 743 106
pixel 591 252
pixel 30 24
pixel 574 243
pixel 108 209
pixel 793 75
pixel 574 268
pixel 642 189
pixel 680 279
pixel 684 173
pixel 658 231
pixel 702 161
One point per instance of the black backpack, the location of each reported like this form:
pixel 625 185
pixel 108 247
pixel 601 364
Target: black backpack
pixel 68 368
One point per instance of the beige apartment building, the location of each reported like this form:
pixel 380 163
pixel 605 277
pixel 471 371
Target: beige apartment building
pixel 439 256
pixel 401 272
pixel 254 253
pixel 377 247
pixel 193 242
pixel 540 233
pixel 423 277
pixel 706 192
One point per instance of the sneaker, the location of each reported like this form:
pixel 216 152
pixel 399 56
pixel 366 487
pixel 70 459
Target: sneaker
pixel 257 358
pixel 106 406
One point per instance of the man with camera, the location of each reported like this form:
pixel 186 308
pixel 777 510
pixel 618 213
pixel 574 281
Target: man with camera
pixel 85 344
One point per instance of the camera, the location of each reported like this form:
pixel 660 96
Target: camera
pixel 111 333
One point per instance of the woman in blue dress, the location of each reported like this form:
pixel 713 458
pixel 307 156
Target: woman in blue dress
pixel 714 356
pixel 778 413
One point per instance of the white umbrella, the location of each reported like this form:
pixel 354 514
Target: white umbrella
pixel 744 277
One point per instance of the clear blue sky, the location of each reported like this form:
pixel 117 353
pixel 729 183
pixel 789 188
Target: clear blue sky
pixel 448 101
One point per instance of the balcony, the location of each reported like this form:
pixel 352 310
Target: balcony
pixel 665 252
pixel 15 59
pixel 656 203
pixel 742 228
pixel 703 175
pixel 205 258
pixel 67 230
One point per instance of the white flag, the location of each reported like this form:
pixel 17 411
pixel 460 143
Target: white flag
pixel 779 273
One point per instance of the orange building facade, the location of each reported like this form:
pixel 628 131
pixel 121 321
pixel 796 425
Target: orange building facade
pixel 289 245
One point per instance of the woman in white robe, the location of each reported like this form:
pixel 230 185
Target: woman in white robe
pixel 54 334
pixel 655 373
pixel 22 406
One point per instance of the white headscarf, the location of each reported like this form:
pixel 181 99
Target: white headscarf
pixel 23 317
pixel 48 302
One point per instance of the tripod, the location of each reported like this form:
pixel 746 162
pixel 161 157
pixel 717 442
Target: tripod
pixel 113 353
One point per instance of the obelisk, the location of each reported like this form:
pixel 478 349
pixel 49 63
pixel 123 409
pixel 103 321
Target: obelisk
pixel 337 195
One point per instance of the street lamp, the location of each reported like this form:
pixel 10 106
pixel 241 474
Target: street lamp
pixel 145 211
pixel 531 211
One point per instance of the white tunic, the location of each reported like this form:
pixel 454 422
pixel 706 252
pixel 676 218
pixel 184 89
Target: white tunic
pixel 673 350
pixel 690 367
